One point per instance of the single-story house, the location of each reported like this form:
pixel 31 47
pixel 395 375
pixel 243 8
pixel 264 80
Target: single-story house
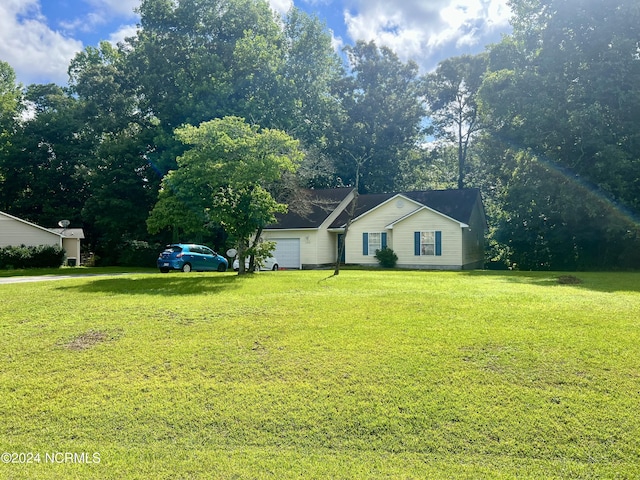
pixel 436 229
pixel 15 231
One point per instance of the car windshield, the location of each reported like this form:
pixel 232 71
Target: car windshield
pixel 173 249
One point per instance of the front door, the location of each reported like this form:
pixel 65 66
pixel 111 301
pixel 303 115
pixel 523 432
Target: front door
pixel 343 254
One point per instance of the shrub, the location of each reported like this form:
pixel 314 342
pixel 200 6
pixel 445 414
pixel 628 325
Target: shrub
pixel 137 253
pixel 41 256
pixel 386 258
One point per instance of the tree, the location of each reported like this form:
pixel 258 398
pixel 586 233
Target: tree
pixel 311 70
pixel 383 109
pixel 193 61
pixel 120 180
pixel 224 177
pixel 10 97
pixel 453 108
pixel 561 93
pixel 10 103
pixel 43 163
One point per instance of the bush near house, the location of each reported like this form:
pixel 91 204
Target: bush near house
pixel 386 258
pixel 41 256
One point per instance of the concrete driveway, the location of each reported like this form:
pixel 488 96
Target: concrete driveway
pixel 45 278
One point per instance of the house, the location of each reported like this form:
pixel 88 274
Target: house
pixel 437 229
pixel 15 231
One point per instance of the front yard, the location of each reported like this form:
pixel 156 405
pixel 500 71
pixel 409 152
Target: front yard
pixel 372 374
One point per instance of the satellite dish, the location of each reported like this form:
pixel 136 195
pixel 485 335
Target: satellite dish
pixel 232 252
pixel 64 223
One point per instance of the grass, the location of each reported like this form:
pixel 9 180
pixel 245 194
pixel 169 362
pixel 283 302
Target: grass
pixel 372 374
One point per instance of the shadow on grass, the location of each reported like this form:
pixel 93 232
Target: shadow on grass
pixel 161 285
pixel 606 282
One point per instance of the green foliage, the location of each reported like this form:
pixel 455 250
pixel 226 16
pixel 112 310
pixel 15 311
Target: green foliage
pixel 559 95
pixel 223 178
pixel 452 96
pixel 260 251
pixel 137 253
pixel 386 257
pixel 418 375
pixel 41 170
pixel 10 96
pixel 380 124
pixel 21 257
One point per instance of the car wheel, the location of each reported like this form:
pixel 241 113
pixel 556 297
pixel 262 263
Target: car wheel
pixel 275 267
pixel 186 267
pixel 164 270
pixel 222 267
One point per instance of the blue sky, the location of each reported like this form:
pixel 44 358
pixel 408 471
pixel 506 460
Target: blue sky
pixel 38 38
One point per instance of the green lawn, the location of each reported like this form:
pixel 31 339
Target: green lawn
pixel 372 374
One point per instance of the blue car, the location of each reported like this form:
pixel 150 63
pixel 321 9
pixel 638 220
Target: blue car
pixel 188 257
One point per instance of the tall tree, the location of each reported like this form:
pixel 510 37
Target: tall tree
pixel 564 91
pixel 43 164
pixel 453 107
pixel 121 181
pixel 10 97
pixel 10 103
pixel 224 178
pixel 311 70
pixel 383 107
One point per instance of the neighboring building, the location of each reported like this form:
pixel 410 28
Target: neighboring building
pixel 15 231
pixel 438 229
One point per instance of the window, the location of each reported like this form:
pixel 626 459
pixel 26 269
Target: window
pixel 428 243
pixel 373 241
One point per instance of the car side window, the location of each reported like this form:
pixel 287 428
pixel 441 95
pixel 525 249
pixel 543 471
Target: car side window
pixel 195 250
pixel 207 251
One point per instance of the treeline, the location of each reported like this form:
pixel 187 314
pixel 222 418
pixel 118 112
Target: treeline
pixel 546 123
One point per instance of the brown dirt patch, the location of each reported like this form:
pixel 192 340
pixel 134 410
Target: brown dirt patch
pixel 87 340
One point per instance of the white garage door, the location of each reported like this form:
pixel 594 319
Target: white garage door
pixel 287 252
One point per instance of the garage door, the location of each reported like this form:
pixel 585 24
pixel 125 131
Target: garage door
pixel 287 252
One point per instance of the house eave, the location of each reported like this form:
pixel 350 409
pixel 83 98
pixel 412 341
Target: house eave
pixel 32 225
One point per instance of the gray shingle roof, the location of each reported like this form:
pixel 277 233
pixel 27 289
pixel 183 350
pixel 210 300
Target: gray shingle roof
pixel 317 206
pixel 457 204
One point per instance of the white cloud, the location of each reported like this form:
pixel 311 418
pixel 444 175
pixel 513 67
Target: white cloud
pixel 34 51
pixel 281 6
pixel 428 32
pixel 123 32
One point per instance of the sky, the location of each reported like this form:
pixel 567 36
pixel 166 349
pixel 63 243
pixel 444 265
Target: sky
pixel 38 38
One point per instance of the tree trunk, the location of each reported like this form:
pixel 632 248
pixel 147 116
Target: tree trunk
pixel 351 213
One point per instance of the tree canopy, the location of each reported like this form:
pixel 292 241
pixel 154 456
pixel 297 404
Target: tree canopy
pixel 224 178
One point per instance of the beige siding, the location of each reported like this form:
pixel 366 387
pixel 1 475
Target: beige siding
pixel 72 248
pixel 428 221
pixel 376 221
pixel 15 232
